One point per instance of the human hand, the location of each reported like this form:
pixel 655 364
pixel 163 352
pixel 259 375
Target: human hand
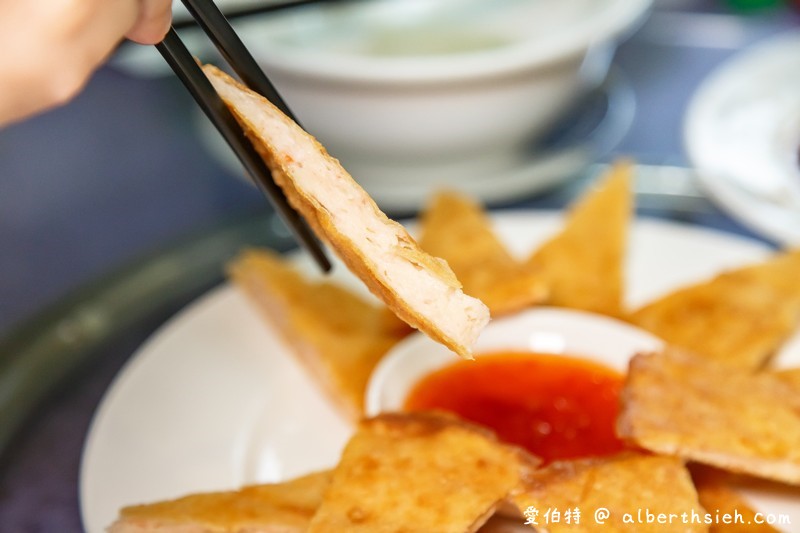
pixel 51 47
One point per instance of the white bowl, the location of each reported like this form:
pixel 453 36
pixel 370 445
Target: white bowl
pixel 406 91
pixel 543 330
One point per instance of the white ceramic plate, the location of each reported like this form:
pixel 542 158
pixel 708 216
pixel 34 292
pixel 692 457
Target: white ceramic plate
pixel 214 400
pixel 742 133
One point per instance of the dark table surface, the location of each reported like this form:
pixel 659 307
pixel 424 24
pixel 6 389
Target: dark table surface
pixel 120 174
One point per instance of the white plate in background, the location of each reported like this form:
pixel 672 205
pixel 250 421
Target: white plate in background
pixel 742 133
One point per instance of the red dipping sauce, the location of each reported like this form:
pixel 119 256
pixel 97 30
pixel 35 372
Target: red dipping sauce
pixel 556 407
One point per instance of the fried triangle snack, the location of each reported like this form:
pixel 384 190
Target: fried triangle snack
pixel 621 484
pixel 420 289
pixel 419 472
pixel 336 335
pixel 721 499
pixel 739 318
pixel 275 508
pixel 584 263
pixel 789 377
pixel 717 495
pixel 457 229
pixel 676 404
pixel 779 272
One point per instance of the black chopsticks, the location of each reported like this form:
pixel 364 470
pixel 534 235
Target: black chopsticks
pixel 214 24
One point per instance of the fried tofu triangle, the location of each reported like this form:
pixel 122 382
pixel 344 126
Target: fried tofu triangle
pixel 790 377
pixel 739 318
pixel 718 495
pixel 779 272
pixel 419 472
pixel 277 508
pixel 676 404
pixel 457 229
pixel 337 336
pixel 623 484
pixel 584 263
pixel 418 288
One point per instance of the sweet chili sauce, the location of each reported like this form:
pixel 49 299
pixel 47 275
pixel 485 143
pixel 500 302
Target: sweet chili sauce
pixel 555 406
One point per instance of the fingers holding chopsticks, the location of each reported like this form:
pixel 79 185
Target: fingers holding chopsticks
pixel 153 22
pixel 53 46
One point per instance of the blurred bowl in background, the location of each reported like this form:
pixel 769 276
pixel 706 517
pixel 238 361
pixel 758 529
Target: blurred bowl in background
pixel 429 93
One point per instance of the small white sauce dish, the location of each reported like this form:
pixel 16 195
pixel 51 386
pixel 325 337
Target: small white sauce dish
pixel 437 92
pixel 543 330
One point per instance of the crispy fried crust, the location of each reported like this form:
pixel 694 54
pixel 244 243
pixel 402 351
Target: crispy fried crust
pixel 457 229
pixel 276 508
pixel 621 484
pixel 322 218
pixel 739 318
pixel 338 337
pixel 717 495
pixel 676 404
pixel 790 377
pixel 779 272
pixel 420 472
pixel 584 263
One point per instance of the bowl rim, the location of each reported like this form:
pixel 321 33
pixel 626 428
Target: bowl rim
pixel 417 356
pixel 609 24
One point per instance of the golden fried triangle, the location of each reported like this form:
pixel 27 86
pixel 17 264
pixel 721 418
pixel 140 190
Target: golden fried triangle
pixel 275 508
pixel 739 318
pixel 336 335
pixel 419 473
pixel 584 264
pixel 620 484
pixel 674 403
pixel 419 288
pixel 457 229
pixel 718 496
